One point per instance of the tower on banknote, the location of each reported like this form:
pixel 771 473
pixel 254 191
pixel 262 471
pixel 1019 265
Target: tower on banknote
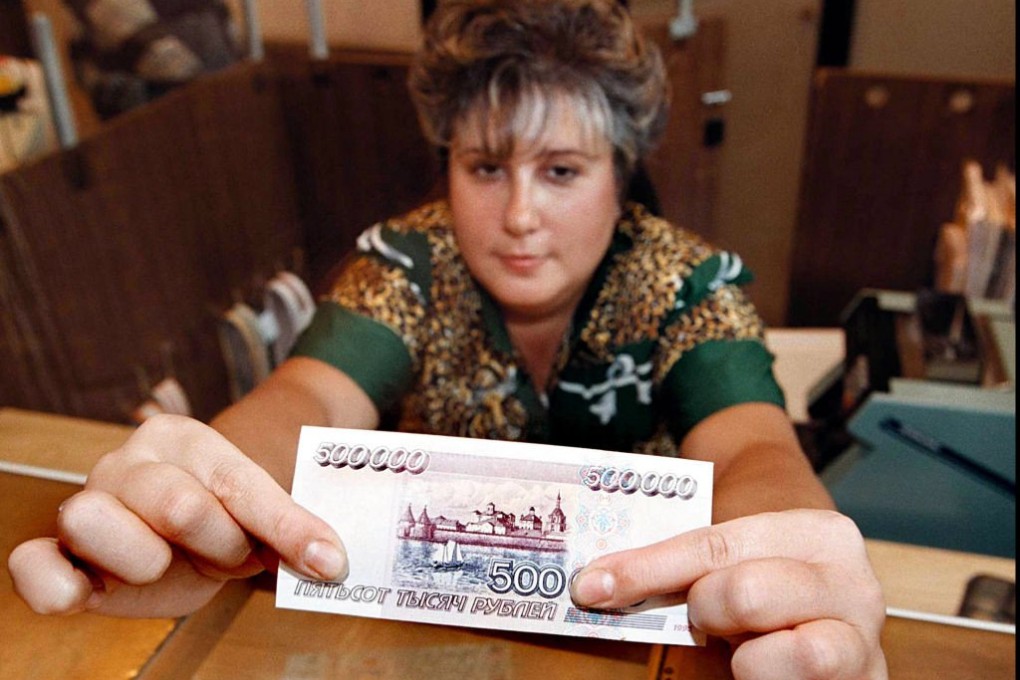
pixel 557 518
pixel 422 529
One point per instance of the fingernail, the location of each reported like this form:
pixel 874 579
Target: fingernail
pixel 96 598
pixel 593 587
pixel 98 589
pixel 326 561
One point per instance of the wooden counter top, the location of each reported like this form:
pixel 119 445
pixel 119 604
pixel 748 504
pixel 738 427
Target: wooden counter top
pixel 269 643
pixel 66 447
pixel 81 647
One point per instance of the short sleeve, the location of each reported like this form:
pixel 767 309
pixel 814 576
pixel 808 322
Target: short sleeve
pixel 370 325
pixel 712 353
pixel 715 375
pixel 369 352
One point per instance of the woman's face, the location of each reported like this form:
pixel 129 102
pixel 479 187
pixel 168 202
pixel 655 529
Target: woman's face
pixel 534 226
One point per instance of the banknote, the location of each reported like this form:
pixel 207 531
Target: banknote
pixel 487 534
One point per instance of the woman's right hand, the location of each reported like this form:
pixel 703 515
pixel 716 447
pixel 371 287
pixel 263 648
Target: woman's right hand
pixel 163 522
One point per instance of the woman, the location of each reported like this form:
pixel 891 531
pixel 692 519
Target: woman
pixel 533 304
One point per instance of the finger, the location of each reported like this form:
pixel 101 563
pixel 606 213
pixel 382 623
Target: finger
pixel 181 510
pixel 46 579
pixel 765 595
pixel 251 496
pixel 670 566
pixel 250 567
pixel 269 560
pixel 180 591
pixel 267 512
pixel 51 581
pixel 97 528
pixel 821 649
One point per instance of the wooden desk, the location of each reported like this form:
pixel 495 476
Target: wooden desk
pixel 265 643
pixel 34 647
pixel 805 359
pixel 930 580
pixel 43 442
pixel 46 647
pixel 268 644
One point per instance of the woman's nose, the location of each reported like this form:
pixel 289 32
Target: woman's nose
pixel 521 210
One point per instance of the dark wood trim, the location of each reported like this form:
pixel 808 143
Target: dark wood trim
pixel 835 34
pixel 427 8
pixel 14 38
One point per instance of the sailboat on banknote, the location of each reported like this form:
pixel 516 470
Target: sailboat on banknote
pixel 448 557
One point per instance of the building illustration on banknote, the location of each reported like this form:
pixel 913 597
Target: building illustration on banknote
pixel 489 527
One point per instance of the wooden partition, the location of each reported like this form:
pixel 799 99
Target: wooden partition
pixel 14 40
pixel 116 258
pixel 359 156
pixel 118 255
pixel 882 174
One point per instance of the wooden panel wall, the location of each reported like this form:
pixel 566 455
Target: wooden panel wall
pixel 881 175
pixel 124 250
pixel 359 156
pixel 14 40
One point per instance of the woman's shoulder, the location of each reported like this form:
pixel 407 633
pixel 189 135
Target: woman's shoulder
pixel 659 247
pixel 408 242
pixel 657 273
pixel 405 251
pixel 678 258
pixel 417 227
pixel 434 216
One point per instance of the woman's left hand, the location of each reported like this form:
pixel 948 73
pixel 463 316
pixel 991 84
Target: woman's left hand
pixel 792 591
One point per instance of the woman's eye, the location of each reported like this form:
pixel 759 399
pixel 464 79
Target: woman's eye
pixel 486 170
pixel 562 173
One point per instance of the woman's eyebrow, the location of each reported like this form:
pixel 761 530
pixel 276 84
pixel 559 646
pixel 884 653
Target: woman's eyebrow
pixel 458 150
pixel 569 152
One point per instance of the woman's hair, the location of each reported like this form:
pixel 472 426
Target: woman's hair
pixel 505 63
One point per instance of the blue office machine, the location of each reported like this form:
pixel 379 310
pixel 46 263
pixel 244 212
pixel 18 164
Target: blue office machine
pixel 930 408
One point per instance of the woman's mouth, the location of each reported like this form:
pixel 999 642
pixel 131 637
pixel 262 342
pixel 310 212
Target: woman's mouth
pixel 521 263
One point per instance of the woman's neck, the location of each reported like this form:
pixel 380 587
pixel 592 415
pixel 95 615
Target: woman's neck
pixel 538 342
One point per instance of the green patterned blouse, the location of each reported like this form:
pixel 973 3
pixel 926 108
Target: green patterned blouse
pixel 663 338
